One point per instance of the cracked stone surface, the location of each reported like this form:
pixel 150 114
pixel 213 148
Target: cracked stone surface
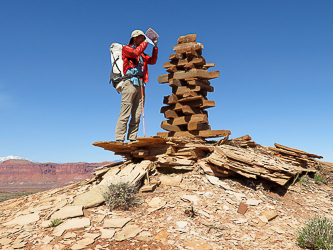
pixel 268 220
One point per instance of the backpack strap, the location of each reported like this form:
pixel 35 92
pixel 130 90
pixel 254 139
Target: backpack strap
pixel 114 62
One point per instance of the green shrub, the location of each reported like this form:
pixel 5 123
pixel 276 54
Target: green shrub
pixel 56 222
pixel 303 180
pixel 120 195
pixel 317 233
pixel 318 178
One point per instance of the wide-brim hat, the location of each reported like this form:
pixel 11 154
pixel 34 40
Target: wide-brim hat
pixel 136 33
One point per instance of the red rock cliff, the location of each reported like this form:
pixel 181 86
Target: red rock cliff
pixel 18 175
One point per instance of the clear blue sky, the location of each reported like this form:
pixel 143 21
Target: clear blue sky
pixel 275 58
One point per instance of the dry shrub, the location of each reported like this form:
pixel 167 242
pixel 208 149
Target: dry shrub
pixel 317 233
pixel 120 195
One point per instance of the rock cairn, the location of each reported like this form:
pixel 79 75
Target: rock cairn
pixel 189 78
pixel 185 146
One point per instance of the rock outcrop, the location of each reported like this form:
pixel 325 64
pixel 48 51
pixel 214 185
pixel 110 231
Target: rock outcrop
pixel 186 211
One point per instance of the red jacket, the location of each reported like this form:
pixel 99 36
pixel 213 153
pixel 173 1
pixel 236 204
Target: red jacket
pixel 131 58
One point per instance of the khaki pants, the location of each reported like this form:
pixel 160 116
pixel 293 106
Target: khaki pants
pixel 131 104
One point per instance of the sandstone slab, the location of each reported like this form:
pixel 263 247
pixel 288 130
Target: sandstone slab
pixel 193 198
pixel 198 245
pixel 47 239
pixel 162 235
pixel 107 233
pixel 253 202
pixel 263 218
pixel 71 224
pixel 90 235
pixel 278 230
pixel 116 223
pixel 92 198
pixel 239 196
pixel 270 215
pixel 128 232
pixel 5 241
pixel 68 212
pixel 242 208
pixel 19 245
pixel 171 181
pixel 144 236
pixel 82 244
pixel 148 188
pixel 45 223
pixel 44 247
pixel 181 224
pixel 216 181
pixel 70 235
pixel 155 204
pixel 23 220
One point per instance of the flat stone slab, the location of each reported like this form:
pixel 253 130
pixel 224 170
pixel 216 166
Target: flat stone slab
pixel 71 224
pixel 23 220
pixel 263 218
pixel 155 202
pixel 270 215
pixel 82 244
pixel 5 241
pixel 19 245
pixel 116 223
pixel 216 181
pixel 107 233
pixel 45 223
pixel 181 224
pixel 91 198
pixel 44 247
pixel 90 235
pixel 239 196
pixel 253 202
pixel 171 181
pixel 193 198
pixel 144 236
pixel 242 208
pixel 70 235
pixel 128 232
pixel 47 239
pixel 198 245
pixel 68 212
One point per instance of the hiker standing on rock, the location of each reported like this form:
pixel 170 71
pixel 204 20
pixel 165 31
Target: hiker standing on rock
pixel 132 98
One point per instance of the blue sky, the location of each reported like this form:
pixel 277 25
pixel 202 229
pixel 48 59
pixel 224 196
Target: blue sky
pixel 275 58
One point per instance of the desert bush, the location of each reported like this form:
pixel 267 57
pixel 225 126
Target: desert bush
pixel 318 178
pixel 55 222
pixel 303 180
pixel 317 233
pixel 120 195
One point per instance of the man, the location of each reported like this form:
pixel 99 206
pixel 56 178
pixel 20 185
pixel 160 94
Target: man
pixel 136 65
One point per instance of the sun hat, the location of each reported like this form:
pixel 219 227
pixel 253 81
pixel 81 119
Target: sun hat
pixel 136 33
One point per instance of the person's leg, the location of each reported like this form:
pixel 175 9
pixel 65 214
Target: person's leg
pixel 137 108
pixel 127 95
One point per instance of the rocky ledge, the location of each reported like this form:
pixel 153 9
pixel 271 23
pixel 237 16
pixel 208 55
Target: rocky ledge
pixel 185 211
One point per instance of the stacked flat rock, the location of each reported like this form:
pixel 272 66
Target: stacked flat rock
pixel 189 78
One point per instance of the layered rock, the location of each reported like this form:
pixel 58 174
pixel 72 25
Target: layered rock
pixel 18 175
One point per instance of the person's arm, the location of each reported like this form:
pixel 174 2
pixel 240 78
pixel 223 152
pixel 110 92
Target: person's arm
pixel 134 53
pixel 152 59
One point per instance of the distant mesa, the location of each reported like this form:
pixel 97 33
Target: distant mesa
pixel 19 174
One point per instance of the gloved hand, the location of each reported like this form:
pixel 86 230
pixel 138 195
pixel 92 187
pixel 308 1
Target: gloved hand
pixel 155 42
